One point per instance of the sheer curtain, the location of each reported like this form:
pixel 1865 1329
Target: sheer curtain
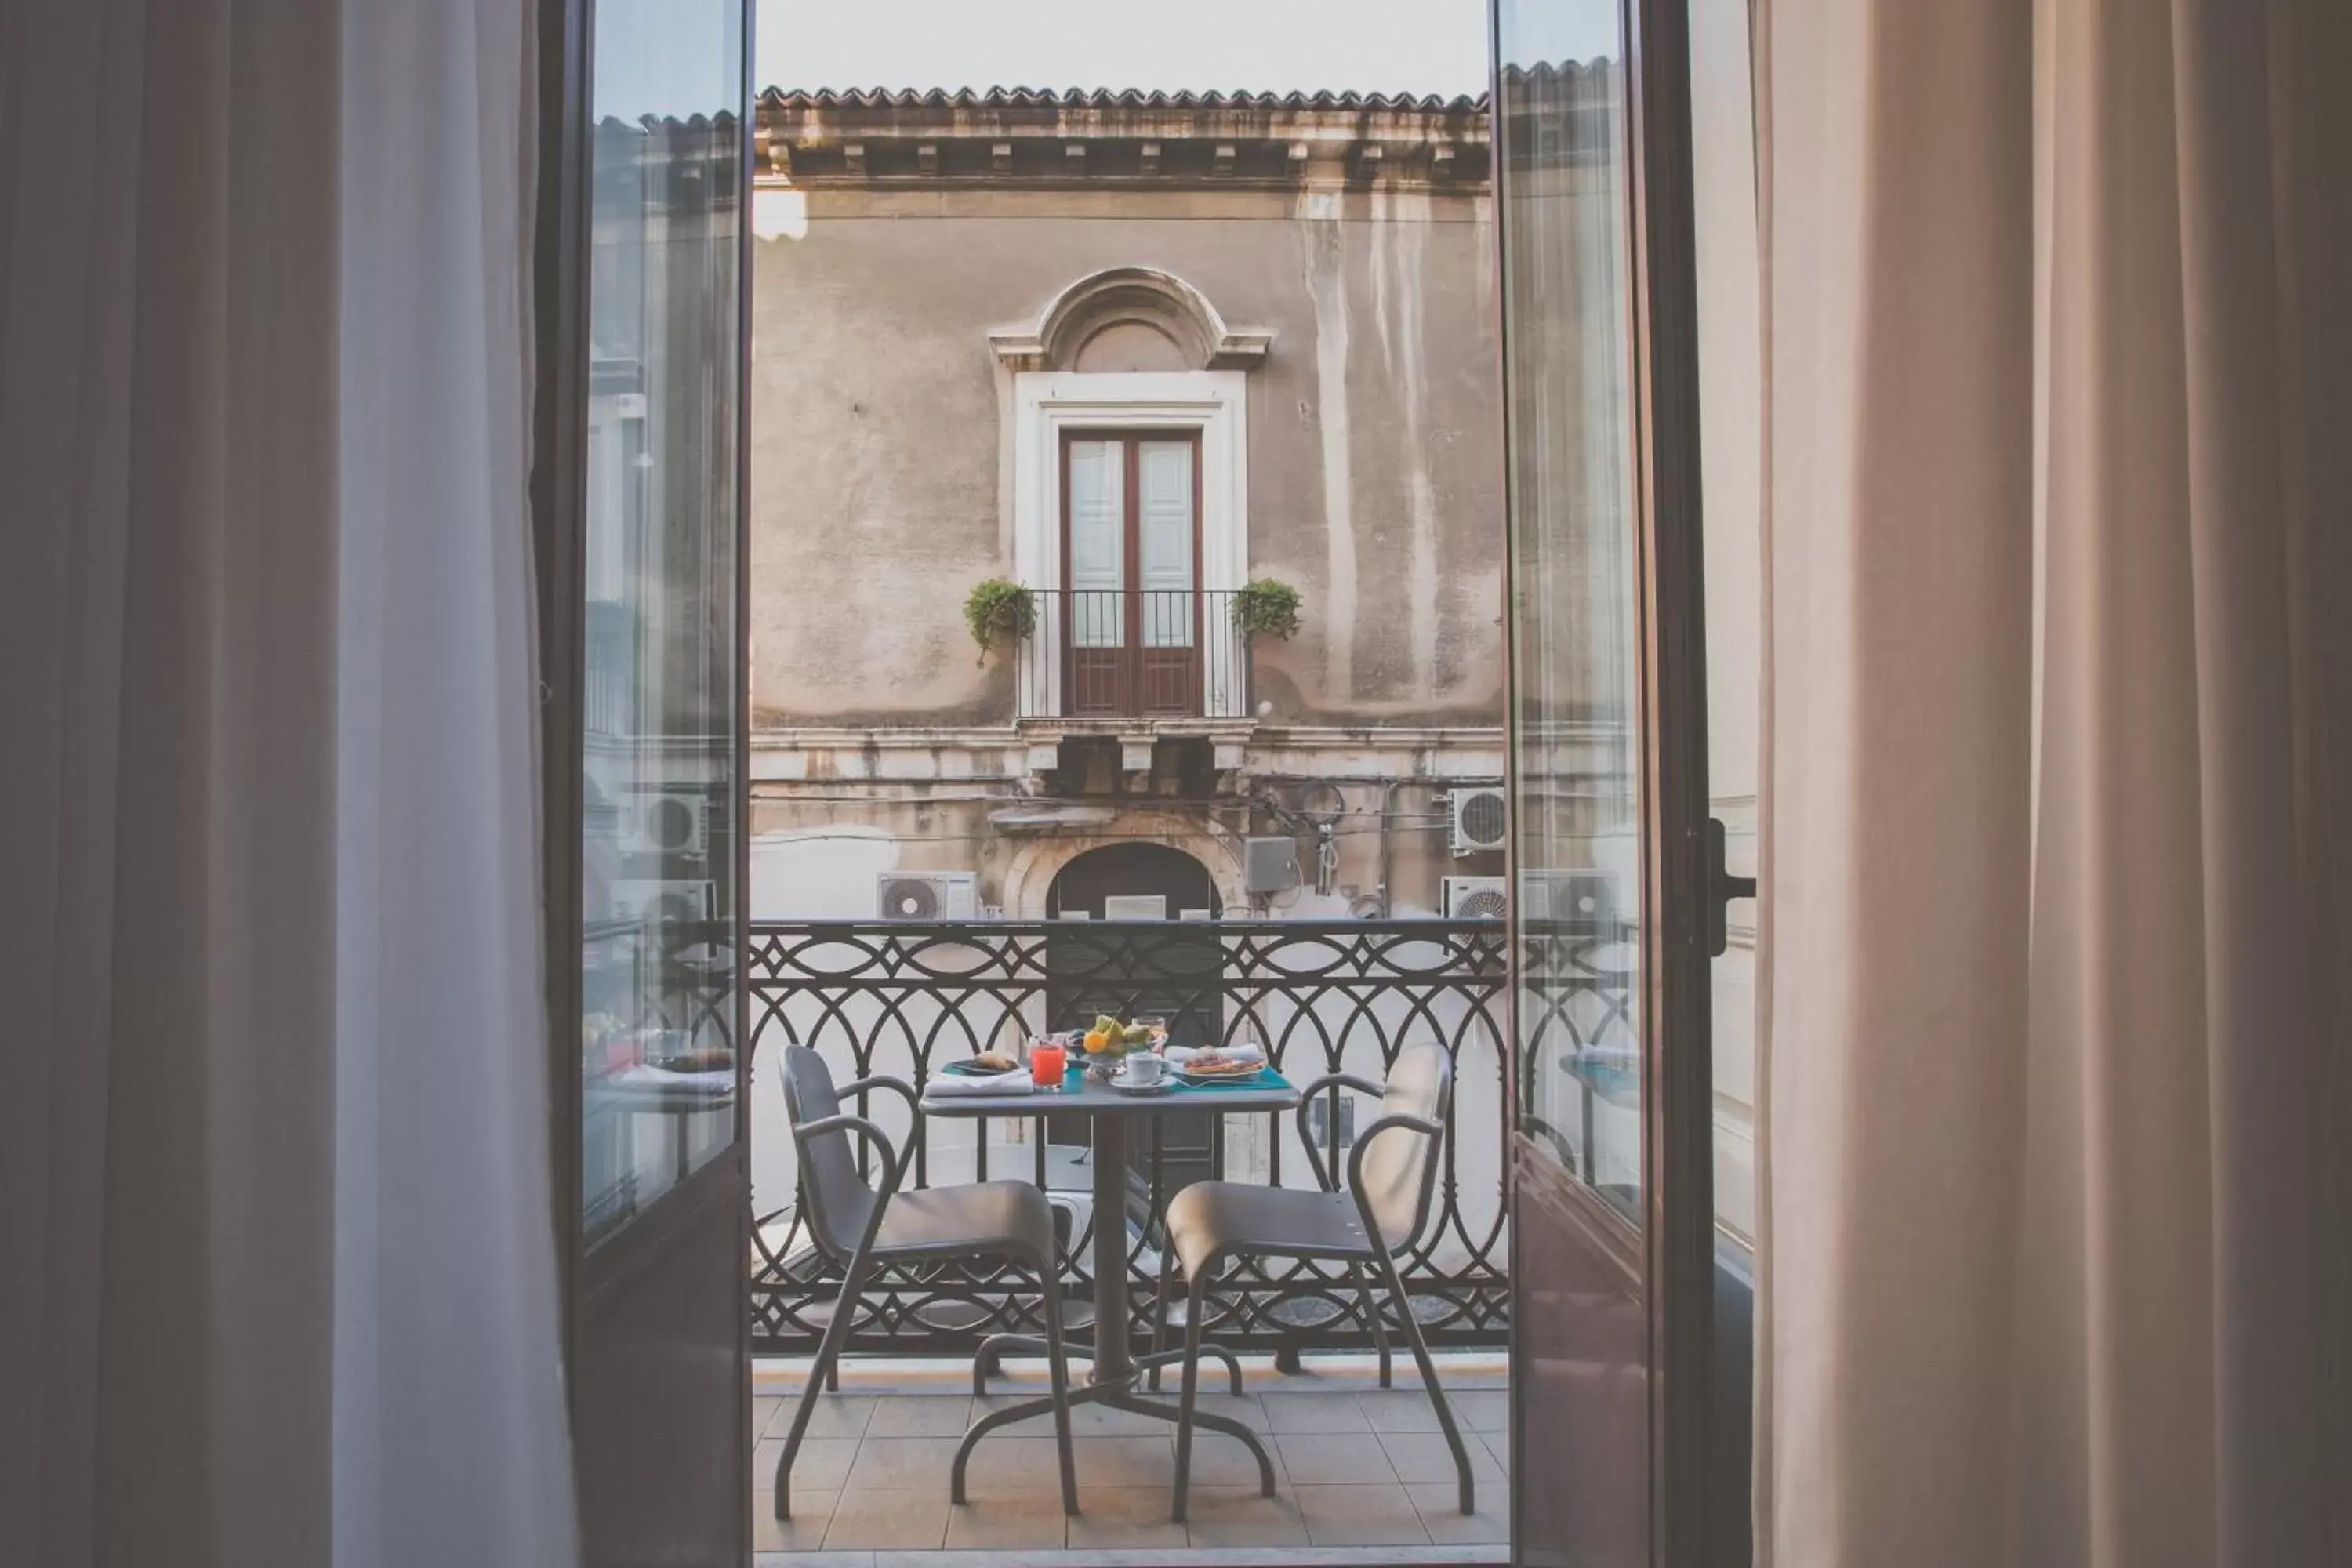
pixel 2060 1005
pixel 278 1284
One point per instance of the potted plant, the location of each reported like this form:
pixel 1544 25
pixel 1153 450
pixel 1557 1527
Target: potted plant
pixel 1000 613
pixel 1266 607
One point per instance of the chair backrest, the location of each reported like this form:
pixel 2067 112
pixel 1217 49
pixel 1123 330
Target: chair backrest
pixel 835 1199
pixel 1398 1174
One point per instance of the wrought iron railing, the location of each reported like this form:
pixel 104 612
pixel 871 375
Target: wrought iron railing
pixel 1133 653
pixel 1320 996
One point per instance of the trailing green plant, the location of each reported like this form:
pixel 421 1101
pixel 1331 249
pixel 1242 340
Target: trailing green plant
pixel 1266 607
pixel 999 613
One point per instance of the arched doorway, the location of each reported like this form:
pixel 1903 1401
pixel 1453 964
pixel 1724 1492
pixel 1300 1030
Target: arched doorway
pixel 1133 871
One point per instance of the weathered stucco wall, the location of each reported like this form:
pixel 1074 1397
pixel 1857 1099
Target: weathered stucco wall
pixel 880 416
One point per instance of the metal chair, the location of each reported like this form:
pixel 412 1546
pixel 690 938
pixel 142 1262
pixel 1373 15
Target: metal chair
pixel 864 1229
pixel 1392 1178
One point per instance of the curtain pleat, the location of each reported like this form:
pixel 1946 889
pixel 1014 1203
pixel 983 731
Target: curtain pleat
pixel 2057 1192
pixel 273 1180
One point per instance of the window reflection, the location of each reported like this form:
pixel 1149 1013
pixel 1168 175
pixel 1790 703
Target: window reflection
pixel 1562 201
pixel 660 563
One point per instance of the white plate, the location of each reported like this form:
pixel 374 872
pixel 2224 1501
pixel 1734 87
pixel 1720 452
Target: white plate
pixel 1162 1087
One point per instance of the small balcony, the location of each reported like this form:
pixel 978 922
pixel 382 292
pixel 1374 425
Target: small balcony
pixel 1112 656
pixel 1361 1465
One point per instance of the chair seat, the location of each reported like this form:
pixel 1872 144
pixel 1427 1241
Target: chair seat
pixel 973 1218
pixel 1209 1218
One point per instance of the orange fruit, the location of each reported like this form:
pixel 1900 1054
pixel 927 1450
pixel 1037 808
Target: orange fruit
pixel 1096 1042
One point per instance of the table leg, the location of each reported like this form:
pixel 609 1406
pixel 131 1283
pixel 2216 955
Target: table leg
pixel 1114 1359
pixel 1115 1368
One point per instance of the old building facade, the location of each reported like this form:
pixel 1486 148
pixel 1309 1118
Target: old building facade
pixel 1130 353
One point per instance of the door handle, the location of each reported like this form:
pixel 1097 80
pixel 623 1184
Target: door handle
pixel 1722 887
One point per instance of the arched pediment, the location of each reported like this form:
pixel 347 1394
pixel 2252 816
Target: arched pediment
pixel 1120 296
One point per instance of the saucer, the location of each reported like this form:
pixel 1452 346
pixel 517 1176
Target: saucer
pixel 1162 1087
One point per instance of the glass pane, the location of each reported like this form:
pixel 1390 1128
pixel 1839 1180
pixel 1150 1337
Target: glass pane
pixel 662 665
pixel 1164 477
pixel 1098 543
pixel 1576 734
pixel 1731 425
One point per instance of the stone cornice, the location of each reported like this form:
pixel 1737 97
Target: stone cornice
pixel 1151 140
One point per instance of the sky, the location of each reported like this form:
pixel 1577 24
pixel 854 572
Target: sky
pixel 669 56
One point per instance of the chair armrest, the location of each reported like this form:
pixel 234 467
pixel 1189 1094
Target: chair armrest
pixel 897 1086
pixel 892 1160
pixel 1329 1180
pixel 1364 1136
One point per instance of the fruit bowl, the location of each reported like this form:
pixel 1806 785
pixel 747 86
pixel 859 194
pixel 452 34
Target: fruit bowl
pixel 1108 1041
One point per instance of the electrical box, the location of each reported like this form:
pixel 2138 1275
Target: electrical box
pixel 1269 865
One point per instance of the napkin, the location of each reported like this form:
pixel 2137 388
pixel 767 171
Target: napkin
pixel 949 1085
pixel 1178 1055
pixel 643 1077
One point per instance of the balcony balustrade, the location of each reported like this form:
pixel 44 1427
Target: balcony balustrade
pixel 906 998
pixel 1132 653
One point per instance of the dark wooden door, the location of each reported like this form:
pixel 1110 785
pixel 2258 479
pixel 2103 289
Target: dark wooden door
pixel 642 505
pixel 1612 1221
pixel 1131 536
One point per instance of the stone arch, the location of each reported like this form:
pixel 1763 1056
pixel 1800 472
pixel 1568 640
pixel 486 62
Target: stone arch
pixel 1136 296
pixel 1035 866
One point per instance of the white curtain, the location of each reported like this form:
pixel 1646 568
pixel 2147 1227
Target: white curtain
pixel 276 1278
pixel 2058 1209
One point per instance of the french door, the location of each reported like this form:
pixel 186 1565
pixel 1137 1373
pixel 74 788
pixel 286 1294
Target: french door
pixel 1616 1433
pixel 1131 565
pixel 642 508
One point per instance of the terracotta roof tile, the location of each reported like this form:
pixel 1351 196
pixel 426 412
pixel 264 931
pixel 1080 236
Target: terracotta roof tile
pixel 1107 98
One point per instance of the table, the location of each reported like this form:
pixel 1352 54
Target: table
pixel 1116 1365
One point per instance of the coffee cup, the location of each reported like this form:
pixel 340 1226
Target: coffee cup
pixel 1141 1070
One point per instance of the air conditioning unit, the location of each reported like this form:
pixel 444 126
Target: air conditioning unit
pixel 677 825
pixel 1482 820
pixel 1476 898
pixel 666 900
pixel 926 896
pixel 1134 907
pixel 1584 899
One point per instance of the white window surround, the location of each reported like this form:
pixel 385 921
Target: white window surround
pixel 1214 402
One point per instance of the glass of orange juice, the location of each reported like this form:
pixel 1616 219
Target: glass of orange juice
pixel 1049 1059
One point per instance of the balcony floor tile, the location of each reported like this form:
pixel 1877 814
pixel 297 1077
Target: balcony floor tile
pixel 920 1415
pixel 804 1531
pixel 1334 1458
pixel 1361 1471
pixel 1424 1457
pixel 1238 1516
pixel 878 1519
pixel 1287 1413
pixel 1442 1515
pixel 1125 1518
pixel 1010 1523
pixel 1360 1516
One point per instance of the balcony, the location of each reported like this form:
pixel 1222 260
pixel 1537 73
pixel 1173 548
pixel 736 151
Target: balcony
pixel 1361 1463
pixel 1117 658
pixel 904 998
